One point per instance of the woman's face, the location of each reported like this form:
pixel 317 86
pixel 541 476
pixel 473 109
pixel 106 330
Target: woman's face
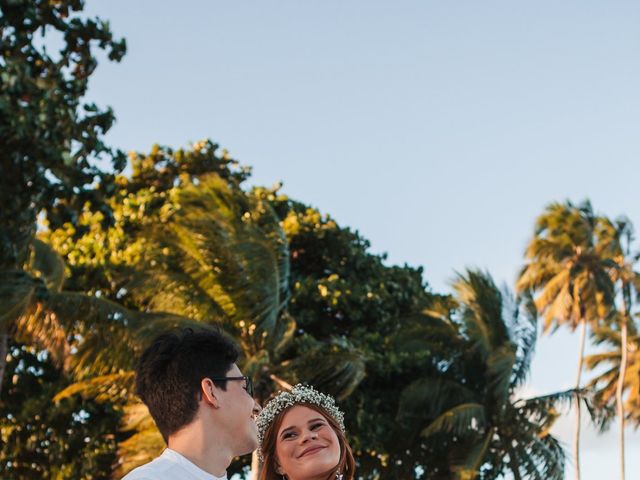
pixel 306 445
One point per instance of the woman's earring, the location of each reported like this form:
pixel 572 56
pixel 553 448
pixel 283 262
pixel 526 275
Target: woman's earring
pixel 339 475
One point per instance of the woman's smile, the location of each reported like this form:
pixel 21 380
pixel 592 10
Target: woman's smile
pixel 311 450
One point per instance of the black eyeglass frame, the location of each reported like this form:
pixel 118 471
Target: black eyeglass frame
pixel 248 382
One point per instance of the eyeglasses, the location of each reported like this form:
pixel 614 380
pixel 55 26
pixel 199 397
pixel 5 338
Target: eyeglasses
pixel 248 383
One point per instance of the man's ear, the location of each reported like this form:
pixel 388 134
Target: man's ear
pixel 209 391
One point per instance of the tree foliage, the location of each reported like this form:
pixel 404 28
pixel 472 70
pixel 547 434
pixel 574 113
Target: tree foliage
pixel 189 242
pixel 428 381
pixel 436 376
pixel 50 138
pixel 42 438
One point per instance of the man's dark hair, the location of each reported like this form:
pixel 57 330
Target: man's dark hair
pixel 171 368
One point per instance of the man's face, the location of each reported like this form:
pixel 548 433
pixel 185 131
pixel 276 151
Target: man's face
pixel 237 414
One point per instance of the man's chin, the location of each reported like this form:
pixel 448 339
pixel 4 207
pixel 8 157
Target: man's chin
pixel 250 447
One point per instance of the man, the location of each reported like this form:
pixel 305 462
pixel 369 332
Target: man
pixel 201 404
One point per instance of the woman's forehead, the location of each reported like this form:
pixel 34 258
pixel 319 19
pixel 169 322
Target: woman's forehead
pixel 299 415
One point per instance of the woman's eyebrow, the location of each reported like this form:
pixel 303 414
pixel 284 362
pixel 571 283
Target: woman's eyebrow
pixel 292 427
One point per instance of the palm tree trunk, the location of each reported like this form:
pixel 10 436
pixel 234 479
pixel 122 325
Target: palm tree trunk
pixel 620 388
pixel 576 436
pixel 4 347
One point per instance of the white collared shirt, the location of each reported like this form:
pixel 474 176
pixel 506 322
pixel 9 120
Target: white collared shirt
pixel 170 466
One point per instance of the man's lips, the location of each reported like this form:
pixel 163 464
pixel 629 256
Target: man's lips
pixel 311 450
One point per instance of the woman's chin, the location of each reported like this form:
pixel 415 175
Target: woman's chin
pixel 315 466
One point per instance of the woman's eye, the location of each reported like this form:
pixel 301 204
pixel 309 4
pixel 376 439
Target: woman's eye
pixel 316 426
pixel 288 435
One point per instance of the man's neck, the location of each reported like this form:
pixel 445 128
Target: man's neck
pixel 193 443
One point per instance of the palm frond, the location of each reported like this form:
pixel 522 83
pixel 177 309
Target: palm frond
pixel 173 291
pixel 535 274
pixel 23 300
pixel 481 304
pixel 468 468
pixel 560 310
pixel 595 360
pixel 500 364
pixel 49 264
pixel 550 456
pixel 145 442
pixel 17 294
pixel 232 249
pixel 553 289
pixel 605 383
pixel 335 367
pixel 114 388
pixel 525 333
pixel 284 335
pixel 422 332
pixel 459 420
pixel 103 322
pixel 427 398
pixel 542 410
pixel 553 401
pixel 42 327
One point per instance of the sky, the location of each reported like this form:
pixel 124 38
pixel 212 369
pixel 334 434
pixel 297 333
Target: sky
pixel 437 129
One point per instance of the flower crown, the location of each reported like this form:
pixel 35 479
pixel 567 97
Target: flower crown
pixel 299 394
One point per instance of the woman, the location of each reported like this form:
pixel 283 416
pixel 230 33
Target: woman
pixel 302 437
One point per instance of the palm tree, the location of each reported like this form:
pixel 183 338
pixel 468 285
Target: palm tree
pixel 492 338
pixel 619 236
pixel 224 257
pixel 218 256
pixel 569 269
pixel 36 310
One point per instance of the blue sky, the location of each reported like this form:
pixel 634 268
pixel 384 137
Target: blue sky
pixel 438 129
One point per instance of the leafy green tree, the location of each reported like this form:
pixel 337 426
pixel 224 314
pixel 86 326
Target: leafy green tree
pixel 51 140
pixel 568 266
pixel 471 404
pixel 189 242
pixel 304 297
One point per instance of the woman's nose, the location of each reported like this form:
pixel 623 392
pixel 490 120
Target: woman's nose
pixel 308 435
